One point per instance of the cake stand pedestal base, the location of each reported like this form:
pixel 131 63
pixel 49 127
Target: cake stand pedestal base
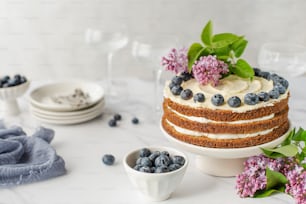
pixel 219 166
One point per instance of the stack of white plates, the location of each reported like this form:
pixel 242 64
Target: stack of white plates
pixel 45 106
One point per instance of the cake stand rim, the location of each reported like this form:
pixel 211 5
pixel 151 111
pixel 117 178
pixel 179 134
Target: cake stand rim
pixel 226 153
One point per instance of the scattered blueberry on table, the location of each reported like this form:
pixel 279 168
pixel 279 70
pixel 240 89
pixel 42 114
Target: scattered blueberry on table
pixel 135 120
pixel 108 159
pixel 112 123
pixel 157 162
pixel 117 116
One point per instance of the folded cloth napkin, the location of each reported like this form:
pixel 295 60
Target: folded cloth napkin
pixel 26 159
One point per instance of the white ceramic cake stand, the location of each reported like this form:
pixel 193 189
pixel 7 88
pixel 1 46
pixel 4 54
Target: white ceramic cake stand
pixel 9 97
pixel 225 162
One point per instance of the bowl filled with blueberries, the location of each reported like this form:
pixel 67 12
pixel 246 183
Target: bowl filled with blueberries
pixel 156 171
pixel 12 87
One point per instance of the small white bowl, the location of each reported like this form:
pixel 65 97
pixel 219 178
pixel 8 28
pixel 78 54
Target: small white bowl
pixel 155 186
pixel 9 96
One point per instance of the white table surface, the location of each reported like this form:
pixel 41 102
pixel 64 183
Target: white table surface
pixel 89 181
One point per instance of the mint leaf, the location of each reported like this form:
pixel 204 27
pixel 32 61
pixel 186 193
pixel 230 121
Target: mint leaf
pixel 223 51
pixel 223 40
pixel 274 178
pixel 239 46
pixel 300 135
pixel 192 54
pixel 266 193
pixel 283 151
pixel 289 138
pixel 243 69
pixel 206 35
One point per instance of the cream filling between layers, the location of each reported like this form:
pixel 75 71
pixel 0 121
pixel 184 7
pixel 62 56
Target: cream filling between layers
pixel 205 120
pixel 218 136
pixel 229 86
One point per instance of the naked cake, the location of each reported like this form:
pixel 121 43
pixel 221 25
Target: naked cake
pixel 222 102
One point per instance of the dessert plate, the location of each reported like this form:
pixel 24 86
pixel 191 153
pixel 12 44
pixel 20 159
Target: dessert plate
pixel 93 108
pixel 66 96
pixel 68 121
pixel 67 115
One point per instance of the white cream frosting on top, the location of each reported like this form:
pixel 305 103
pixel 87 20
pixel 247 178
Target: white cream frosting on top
pixel 228 87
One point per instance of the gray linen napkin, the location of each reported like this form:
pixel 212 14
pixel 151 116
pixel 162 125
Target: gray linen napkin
pixel 26 159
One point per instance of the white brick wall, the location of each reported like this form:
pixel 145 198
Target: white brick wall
pixel 45 38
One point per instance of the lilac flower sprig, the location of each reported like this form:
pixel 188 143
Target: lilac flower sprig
pixel 281 169
pixel 176 60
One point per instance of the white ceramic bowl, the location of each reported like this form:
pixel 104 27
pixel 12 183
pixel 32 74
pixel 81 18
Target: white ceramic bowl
pixel 155 186
pixel 9 96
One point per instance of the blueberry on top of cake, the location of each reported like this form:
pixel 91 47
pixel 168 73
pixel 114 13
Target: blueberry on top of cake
pixel 216 99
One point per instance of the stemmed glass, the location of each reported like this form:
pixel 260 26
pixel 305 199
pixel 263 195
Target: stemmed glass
pixel 150 50
pixel 285 59
pixel 110 40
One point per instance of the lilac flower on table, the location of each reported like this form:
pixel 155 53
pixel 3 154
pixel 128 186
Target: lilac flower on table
pixel 296 186
pixel 208 69
pixel 176 61
pixel 254 176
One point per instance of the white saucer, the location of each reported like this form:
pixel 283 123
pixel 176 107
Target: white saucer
pixel 68 121
pixel 44 112
pixel 42 96
pixel 224 162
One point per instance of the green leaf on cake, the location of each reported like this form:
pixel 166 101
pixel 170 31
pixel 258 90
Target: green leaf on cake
pixel 300 135
pixel 223 40
pixel 243 69
pixel 289 150
pixel 207 33
pixel 193 53
pixel 266 193
pixel 239 46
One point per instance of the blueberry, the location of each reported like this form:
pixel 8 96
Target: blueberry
pixel 145 169
pixel 256 71
pixel 178 160
pixel 234 101
pixel 5 79
pixel 265 75
pixel 284 82
pixel 171 85
pixel 12 82
pixel 186 76
pixel 154 155
pixel 217 100
pixel 199 97
pixel 176 90
pixel 138 160
pixel 5 85
pixel 23 79
pixel 280 88
pixel 144 152
pixel 137 167
pixel 251 99
pixel 162 160
pixel 177 80
pixel 112 123
pixel 108 159
pixel 162 169
pixel 165 153
pixel 135 120
pixel 274 94
pixel 263 96
pixel 145 161
pixel 186 94
pixel 117 116
pixel 173 167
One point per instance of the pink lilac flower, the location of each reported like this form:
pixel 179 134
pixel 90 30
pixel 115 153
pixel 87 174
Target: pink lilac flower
pixel 254 176
pixel 176 61
pixel 208 69
pixel 296 186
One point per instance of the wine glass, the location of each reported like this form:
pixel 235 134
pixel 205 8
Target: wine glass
pixel 285 59
pixel 150 50
pixel 110 40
